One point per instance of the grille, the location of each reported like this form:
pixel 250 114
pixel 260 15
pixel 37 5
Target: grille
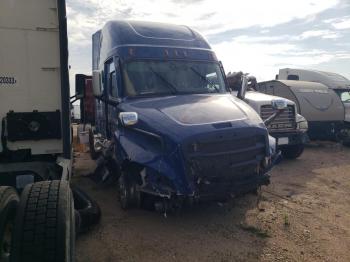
pixel 284 122
pixel 225 158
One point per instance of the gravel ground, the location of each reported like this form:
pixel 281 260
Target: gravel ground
pixel 303 215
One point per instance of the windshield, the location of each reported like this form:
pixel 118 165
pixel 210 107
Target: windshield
pixel 144 78
pixel 344 95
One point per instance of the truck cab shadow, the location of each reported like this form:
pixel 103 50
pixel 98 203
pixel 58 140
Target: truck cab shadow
pixel 209 231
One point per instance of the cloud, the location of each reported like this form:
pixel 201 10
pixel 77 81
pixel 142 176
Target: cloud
pixel 326 34
pixel 207 16
pixel 287 38
pixel 342 24
pixel 263 59
pixel 260 52
pixel 339 23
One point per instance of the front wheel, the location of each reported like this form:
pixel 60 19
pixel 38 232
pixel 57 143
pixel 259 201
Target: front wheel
pixel 129 196
pixel 292 151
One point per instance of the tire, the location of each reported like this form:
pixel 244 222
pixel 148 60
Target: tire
pixel 93 154
pixel 8 203
pixel 129 196
pixel 293 151
pixel 88 210
pixel 45 224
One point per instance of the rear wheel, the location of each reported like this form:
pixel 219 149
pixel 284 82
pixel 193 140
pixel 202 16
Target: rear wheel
pixel 293 151
pixel 8 204
pixel 45 224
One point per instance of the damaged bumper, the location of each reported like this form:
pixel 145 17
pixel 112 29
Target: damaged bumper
pixel 208 166
pixel 210 189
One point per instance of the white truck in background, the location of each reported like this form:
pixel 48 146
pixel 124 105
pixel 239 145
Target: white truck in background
pixel 288 127
pixel 335 82
pixel 35 148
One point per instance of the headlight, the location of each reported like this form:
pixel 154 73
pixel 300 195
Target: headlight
pixel 272 145
pixel 302 124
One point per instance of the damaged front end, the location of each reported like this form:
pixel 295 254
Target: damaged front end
pixel 229 163
pixel 210 166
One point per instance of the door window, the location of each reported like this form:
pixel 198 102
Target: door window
pixel 112 80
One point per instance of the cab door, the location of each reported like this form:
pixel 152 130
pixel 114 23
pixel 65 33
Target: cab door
pixel 112 95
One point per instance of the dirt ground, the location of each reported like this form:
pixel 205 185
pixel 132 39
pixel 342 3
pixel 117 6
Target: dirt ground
pixel 303 215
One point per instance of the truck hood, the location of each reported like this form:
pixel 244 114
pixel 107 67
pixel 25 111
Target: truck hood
pixel 262 99
pixel 172 130
pixel 187 115
pixel 256 100
pixel 198 110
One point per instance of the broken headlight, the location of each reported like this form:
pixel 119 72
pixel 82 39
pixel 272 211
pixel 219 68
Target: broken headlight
pixel 302 124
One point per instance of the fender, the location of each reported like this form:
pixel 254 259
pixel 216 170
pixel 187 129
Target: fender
pixel 147 150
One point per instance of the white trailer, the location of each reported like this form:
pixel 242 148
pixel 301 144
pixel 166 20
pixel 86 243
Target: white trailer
pixel 35 148
pixel 34 87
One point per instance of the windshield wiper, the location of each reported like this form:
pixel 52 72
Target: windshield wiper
pixel 205 79
pixel 170 85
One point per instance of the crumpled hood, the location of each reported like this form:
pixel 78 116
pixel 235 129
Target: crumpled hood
pixel 183 114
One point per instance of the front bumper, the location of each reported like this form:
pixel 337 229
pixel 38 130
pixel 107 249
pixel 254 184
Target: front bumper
pixel 216 188
pixel 290 138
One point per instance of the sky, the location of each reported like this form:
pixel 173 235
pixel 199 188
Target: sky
pixel 253 36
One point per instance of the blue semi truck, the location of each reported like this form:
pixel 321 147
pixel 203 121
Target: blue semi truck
pixel 167 120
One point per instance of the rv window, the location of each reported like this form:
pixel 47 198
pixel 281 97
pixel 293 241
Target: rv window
pixel 293 77
pixel 344 96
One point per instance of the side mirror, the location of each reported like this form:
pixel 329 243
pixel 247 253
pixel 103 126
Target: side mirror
pixel 243 88
pixel 80 86
pixel 97 83
pixel 279 104
pixel 128 118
